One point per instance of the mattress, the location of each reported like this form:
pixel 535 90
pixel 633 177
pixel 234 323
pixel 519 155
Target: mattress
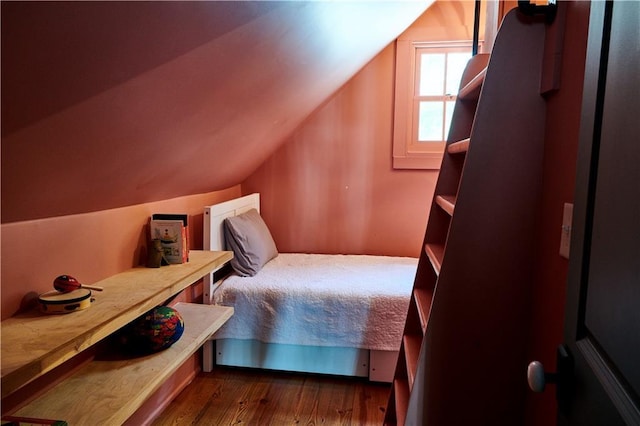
pixel 355 301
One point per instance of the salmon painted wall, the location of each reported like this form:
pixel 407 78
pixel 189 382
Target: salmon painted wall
pixel 561 145
pixel 105 103
pixel 89 246
pixel 331 187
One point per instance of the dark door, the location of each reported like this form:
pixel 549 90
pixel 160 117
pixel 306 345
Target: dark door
pixel 602 323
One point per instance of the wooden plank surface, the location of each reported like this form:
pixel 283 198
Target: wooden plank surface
pixel 435 253
pixel 472 89
pixel 459 147
pixel 34 343
pixel 233 396
pixel 107 392
pixel 423 302
pixel 402 394
pixel 412 344
pixel 447 203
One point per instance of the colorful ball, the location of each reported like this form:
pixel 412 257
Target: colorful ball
pixel 156 330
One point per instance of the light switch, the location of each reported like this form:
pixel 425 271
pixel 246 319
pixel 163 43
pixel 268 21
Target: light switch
pixel 565 237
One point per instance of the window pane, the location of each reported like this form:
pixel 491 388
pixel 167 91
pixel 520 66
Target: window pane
pixel 447 117
pixel 455 67
pixel 431 74
pixel 430 121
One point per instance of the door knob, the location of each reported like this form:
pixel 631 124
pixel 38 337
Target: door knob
pixel 538 378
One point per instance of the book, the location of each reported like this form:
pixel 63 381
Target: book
pixel 173 238
pixel 185 221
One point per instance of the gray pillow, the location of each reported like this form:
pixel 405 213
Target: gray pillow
pixel 251 242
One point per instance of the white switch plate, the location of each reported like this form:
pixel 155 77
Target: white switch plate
pixel 565 236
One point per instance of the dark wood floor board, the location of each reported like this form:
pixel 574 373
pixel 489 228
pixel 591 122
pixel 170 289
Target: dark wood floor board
pixel 233 401
pixel 295 402
pixel 230 396
pixel 367 407
pixel 307 404
pixel 335 404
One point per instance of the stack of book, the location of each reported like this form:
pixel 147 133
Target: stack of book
pixel 173 232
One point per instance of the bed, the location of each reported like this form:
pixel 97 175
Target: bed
pixel 317 313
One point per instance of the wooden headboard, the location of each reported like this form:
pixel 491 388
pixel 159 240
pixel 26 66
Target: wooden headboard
pixel 215 215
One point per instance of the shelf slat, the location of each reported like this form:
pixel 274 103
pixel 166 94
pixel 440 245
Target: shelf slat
pixel 459 147
pixel 401 390
pixel 446 203
pixel 435 253
pixel 412 344
pixel 423 302
pixel 472 89
pixel 108 392
pixel 35 343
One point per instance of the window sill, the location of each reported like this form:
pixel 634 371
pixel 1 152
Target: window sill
pixel 425 162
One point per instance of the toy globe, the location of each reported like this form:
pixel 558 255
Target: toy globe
pixel 156 330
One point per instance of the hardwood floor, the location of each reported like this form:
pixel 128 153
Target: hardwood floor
pixel 229 396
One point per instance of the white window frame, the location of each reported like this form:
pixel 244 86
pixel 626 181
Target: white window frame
pixel 408 153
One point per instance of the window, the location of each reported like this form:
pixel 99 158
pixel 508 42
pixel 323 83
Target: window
pixel 427 80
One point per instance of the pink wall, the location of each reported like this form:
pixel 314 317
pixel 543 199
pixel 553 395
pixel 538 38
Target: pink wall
pixel 561 143
pixel 90 246
pixel 105 103
pixel 331 187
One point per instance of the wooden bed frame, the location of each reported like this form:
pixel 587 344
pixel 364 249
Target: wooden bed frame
pixel 378 366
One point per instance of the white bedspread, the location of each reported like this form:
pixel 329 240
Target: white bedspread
pixel 321 300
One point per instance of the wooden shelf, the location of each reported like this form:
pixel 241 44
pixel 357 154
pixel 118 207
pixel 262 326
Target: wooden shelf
pixel 446 203
pixel 471 90
pixel 35 343
pixel 507 129
pixel 459 147
pixel 423 302
pixel 435 253
pixel 412 344
pixel 108 392
pixel 401 391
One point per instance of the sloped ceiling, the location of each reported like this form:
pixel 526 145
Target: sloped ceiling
pixel 108 104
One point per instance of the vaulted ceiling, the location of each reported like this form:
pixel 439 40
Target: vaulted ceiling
pixel 108 104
